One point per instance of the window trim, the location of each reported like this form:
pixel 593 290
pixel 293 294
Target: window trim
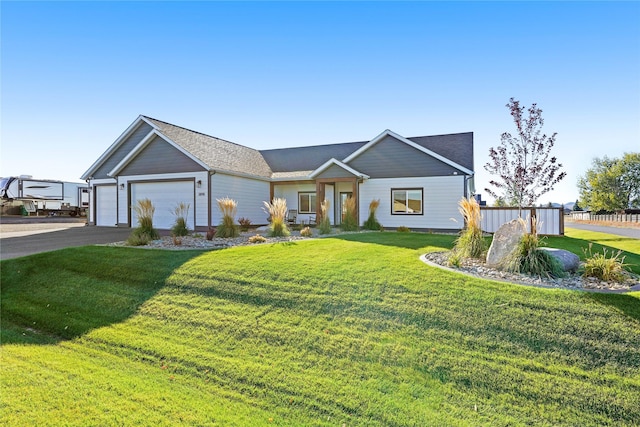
pixel 312 206
pixel 407 190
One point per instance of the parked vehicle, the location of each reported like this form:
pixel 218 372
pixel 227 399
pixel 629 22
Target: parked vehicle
pixel 25 195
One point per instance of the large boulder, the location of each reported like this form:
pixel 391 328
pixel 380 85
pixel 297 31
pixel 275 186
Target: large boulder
pixel 569 260
pixel 505 241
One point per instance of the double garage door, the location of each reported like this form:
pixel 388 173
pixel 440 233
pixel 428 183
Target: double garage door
pixel 164 196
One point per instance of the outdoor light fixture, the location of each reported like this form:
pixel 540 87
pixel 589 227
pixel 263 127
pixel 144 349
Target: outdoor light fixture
pixel 199 183
pixel 122 186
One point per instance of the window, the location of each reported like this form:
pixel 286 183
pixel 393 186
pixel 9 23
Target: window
pixel 406 201
pixel 307 203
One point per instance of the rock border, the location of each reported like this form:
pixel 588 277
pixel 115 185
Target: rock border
pixel 477 269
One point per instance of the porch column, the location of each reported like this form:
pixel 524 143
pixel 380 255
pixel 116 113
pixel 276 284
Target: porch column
pixel 320 188
pixel 356 200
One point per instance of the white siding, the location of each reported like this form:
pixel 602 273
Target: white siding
pixel 290 193
pixel 441 195
pixel 200 207
pixel 248 193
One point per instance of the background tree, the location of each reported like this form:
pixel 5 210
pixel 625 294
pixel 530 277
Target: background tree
pixel 612 184
pixel 522 165
pixel 576 206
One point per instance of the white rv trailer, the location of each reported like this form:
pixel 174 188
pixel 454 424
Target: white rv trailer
pixel 43 196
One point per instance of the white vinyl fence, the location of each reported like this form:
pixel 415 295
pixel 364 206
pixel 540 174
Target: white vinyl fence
pixel 550 220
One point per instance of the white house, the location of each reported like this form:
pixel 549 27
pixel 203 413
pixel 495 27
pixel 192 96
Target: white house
pixel 419 181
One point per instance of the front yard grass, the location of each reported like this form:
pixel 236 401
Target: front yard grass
pixel 350 330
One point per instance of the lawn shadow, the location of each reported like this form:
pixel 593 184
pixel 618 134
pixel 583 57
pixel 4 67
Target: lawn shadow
pixel 412 240
pixel 626 304
pixel 60 295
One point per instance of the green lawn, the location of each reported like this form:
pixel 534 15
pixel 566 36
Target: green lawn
pixel 348 331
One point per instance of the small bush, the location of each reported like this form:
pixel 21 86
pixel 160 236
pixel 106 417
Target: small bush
pixel 306 232
pixel 324 226
pixel 257 239
pixel 227 227
pixel 144 211
pixel 372 223
pixel 211 233
pixel 277 211
pixel 177 240
pixel 528 259
pixel 181 211
pixel 245 223
pixel 349 222
pixel 611 269
pixel 470 243
pixel 403 229
pixel 138 239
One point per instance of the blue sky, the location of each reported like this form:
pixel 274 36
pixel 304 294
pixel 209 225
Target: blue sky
pixel 74 75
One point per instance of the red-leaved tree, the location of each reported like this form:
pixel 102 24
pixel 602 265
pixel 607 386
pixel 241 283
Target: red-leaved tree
pixel 522 166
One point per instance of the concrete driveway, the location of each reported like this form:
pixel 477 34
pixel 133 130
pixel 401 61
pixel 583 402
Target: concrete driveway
pixel 26 236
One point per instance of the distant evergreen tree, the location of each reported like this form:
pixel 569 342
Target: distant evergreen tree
pixel 576 206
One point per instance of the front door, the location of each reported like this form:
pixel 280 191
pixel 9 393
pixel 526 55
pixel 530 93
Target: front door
pixel 343 208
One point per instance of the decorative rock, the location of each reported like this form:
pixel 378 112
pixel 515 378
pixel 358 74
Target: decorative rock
pixel 505 240
pixel 569 260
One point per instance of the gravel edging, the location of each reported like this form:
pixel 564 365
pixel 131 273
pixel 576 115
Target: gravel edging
pixel 477 268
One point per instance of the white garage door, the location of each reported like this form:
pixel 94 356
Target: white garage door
pixel 106 205
pixel 164 196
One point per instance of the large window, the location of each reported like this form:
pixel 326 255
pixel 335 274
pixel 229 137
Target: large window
pixel 406 201
pixel 307 203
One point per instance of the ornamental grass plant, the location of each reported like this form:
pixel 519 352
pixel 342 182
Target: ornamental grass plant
pixel 372 223
pixel 470 243
pixel 598 265
pixel 324 226
pixel 277 211
pixel 528 259
pixel 181 212
pixel 350 221
pixel 227 227
pixel 145 232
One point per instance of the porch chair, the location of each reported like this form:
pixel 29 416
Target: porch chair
pixel 292 216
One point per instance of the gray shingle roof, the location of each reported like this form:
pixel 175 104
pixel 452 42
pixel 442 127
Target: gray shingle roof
pixel 215 152
pixel 297 162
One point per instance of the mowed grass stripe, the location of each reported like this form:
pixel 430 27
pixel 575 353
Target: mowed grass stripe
pixel 363 334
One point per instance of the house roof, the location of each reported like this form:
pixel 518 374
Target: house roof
pixel 216 153
pixel 285 163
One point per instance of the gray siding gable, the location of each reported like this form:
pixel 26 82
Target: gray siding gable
pixel 160 157
pixel 335 171
pixel 122 150
pixel 390 158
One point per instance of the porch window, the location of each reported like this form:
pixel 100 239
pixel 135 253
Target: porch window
pixel 307 203
pixel 406 201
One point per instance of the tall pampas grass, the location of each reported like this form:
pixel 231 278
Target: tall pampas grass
pixel 227 227
pixel 145 232
pixel 277 211
pixel 181 212
pixel 324 226
pixel 470 243
pixel 372 223
pixel 349 222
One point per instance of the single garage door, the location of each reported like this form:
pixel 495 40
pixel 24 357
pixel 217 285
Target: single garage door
pixel 164 196
pixel 106 205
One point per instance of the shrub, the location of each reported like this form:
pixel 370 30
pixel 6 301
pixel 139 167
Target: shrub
pixel 211 232
pixel 181 211
pixel 136 239
pixel 324 226
pixel 145 232
pixel 403 229
pixel 257 239
pixel 372 223
pixel 528 259
pixel 597 265
pixel 306 232
pixel 470 243
pixel 227 227
pixel 277 211
pixel 177 240
pixel 349 222
pixel 454 260
pixel 245 223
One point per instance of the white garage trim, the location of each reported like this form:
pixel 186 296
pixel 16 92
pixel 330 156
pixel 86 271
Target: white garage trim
pixel 106 205
pixel 165 196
